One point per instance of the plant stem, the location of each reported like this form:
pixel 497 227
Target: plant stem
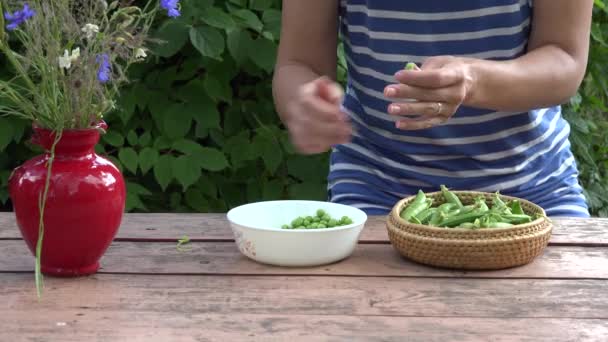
pixel 42 205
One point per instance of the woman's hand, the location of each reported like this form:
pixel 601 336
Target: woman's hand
pixel 440 87
pixel 314 120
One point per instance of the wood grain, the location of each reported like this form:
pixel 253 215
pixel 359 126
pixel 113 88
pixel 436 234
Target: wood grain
pixel 233 308
pixel 215 227
pixel 179 326
pixel 281 295
pixel 367 260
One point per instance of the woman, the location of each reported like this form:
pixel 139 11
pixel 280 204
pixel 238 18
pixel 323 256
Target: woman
pixel 481 113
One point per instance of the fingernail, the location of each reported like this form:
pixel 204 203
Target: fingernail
pixel 400 73
pixel 391 92
pixel 393 109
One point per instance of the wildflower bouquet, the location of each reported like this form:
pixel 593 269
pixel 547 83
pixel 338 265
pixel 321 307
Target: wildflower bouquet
pixel 69 60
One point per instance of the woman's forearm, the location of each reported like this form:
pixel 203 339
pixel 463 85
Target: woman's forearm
pixel 551 70
pixel 544 77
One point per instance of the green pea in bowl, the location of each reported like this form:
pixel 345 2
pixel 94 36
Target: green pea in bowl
pixel 296 233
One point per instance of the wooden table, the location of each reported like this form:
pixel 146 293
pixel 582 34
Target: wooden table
pixel 147 290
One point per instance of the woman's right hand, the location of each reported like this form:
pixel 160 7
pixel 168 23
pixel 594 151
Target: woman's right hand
pixel 315 121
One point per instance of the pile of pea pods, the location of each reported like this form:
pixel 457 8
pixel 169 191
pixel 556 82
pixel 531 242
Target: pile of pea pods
pixel 453 214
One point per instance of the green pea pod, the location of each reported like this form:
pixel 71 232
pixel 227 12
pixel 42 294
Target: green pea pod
pixel 501 225
pixel 467 225
pixel 515 207
pixel 418 204
pixel 450 196
pixel 480 203
pixel 425 216
pixel 460 219
pixel 516 219
pixel 498 205
pixel 415 220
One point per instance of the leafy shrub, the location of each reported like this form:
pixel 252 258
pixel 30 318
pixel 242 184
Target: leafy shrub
pixel 197 130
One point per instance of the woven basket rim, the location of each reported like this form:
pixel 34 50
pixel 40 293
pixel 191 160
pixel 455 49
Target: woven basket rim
pixel 395 213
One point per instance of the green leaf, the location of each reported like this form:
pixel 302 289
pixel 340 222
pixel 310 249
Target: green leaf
pixel 6 133
pixel 216 17
pixel 239 44
pixel 216 89
pixel 132 138
pixel 188 147
pixel 260 5
pixel 162 143
pixel 308 191
pixel 195 199
pixel 217 137
pixel 138 189
pixel 175 200
pixel 264 54
pixel 241 3
pixel 211 159
pixel 208 41
pixel 272 190
pixel 133 202
pixel 240 149
pixel 200 106
pixel 163 171
pixel 126 105
pixel 272 21
pixel 207 186
pixel 176 122
pixel 145 139
pixel 307 168
pixel 201 132
pixel 116 162
pixel 113 138
pixel 18 126
pixel 4 195
pixel 271 153
pixel 128 157
pixel 147 159
pixel 254 191
pixel 173 34
pixel 233 119
pixel 248 19
pixel 184 171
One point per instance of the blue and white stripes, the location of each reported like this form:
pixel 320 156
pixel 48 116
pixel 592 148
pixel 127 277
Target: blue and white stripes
pixel 522 154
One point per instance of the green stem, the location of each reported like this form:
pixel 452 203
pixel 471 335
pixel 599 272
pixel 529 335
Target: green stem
pixel 42 205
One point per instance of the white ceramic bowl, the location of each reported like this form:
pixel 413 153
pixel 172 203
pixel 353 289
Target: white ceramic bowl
pixel 258 234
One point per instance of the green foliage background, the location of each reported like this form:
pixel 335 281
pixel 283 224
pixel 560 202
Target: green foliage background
pixel 196 131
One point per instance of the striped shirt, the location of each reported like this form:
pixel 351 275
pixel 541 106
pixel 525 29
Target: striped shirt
pixel 525 154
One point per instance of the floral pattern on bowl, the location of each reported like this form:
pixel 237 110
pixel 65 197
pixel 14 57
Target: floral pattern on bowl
pixel 245 246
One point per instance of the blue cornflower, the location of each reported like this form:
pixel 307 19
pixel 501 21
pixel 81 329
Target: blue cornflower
pixel 18 17
pixel 105 68
pixel 171 6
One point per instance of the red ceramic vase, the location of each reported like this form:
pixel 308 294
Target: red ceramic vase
pixel 85 203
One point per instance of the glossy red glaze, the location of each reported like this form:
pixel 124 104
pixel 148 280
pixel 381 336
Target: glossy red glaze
pixel 85 204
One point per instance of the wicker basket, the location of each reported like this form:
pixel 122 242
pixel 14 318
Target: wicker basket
pixel 481 249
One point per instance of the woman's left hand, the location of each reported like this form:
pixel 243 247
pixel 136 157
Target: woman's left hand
pixel 440 87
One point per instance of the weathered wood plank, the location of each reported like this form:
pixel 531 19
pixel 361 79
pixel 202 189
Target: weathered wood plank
pixel 179 326
pixel 285 296
pixel 367 260
pixel 190 308
pixel 215 227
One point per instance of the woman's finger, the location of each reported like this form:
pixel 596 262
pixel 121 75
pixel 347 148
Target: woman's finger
pixel 422 122
pixel 433 79
pixel 452 94
pixel 422 108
